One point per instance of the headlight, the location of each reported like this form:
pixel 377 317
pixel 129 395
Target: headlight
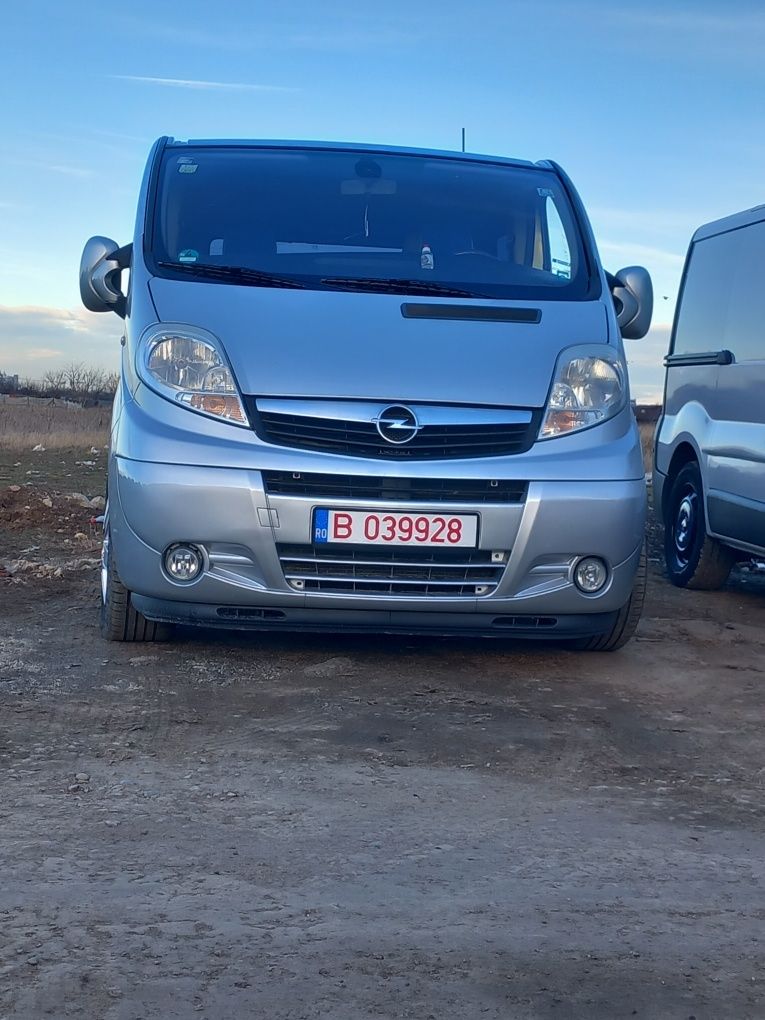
pixel 589 387
pixel 189 368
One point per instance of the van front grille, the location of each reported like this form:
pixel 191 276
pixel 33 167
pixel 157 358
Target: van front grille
pixel 411 490
pixel 477 433
pixel 369 570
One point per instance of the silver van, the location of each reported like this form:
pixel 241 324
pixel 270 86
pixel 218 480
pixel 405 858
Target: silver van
pixel 709 475
pixel 369 388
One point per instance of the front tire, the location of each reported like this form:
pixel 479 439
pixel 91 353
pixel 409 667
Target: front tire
pixel 120 621
pixel 693 559
pixel 627 618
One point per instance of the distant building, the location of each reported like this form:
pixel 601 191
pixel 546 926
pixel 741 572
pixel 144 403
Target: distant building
pixel 648 412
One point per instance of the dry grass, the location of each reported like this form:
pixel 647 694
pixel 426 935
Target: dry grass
pixel 55 428
pixel 647 430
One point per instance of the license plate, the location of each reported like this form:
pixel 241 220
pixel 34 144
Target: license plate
pixel 366 527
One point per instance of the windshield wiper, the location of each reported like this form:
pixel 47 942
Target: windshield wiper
pixel 234 274
pixel 424 287
pixel 260 278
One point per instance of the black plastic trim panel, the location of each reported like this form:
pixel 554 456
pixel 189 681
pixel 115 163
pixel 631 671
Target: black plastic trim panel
pixel 383 621
pixel 471 313
pixel 386 489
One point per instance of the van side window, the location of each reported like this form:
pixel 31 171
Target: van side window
pixel 745 332
pixel 719 309
pixel 705 298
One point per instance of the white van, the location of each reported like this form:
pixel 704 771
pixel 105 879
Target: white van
pixel 709 476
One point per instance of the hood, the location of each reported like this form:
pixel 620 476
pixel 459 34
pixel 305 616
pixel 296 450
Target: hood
pixel 294 343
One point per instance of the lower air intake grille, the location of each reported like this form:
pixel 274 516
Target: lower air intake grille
pixel 368 570
pixel 418 490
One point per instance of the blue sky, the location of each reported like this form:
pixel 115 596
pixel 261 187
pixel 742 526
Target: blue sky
pixel 656 110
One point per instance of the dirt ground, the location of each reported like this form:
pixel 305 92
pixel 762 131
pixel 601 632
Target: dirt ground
pixel 233 826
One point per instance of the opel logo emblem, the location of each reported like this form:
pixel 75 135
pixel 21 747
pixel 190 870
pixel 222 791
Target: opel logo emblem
pixel 397 424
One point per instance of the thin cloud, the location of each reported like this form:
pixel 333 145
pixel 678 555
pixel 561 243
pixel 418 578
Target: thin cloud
pixel 686 20
pixel 350 32
pixel 111 141
pixel 644 252
pixel 40 316
pixel 42 353
pixel 687 34
pixel 119 136
pixel 683 33
pixel 664 266
pixel 650 350
pixel 355 40
pixel 693 20
pixel 645 360
pixel 656 221
pixel 68 171
pixel 199 84
pixel 56 168
pixel 34 339
pixel 646 393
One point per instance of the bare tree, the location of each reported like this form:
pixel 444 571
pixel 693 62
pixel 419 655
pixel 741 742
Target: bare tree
pixel 31 387
pixel 54 382
pixel 73 374
pixel 76 381
pixel 92 381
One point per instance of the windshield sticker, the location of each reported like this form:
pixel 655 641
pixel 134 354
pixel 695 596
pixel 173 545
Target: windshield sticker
pixel 188 255
pixel 216 246
pixel 545 192
pixel 426 258
pixel 186 165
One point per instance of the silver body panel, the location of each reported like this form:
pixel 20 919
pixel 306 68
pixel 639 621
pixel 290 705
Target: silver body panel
pixel 227 512
pixel 359 346
pixel 178 476
pixel 715 413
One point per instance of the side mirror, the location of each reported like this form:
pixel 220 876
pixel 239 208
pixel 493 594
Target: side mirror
pixel 632 291
pixel 101 268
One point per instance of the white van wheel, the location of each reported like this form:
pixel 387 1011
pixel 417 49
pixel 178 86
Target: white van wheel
pixel 693 559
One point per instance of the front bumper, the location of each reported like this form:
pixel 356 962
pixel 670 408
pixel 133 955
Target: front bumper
pixel 227 512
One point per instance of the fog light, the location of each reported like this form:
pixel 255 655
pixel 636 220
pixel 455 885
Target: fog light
pixel 590 574
pixel 183 562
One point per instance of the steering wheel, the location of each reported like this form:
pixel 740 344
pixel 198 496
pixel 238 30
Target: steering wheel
pixel 478 251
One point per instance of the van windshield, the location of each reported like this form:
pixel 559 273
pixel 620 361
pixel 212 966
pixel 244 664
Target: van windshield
pixel 357 220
